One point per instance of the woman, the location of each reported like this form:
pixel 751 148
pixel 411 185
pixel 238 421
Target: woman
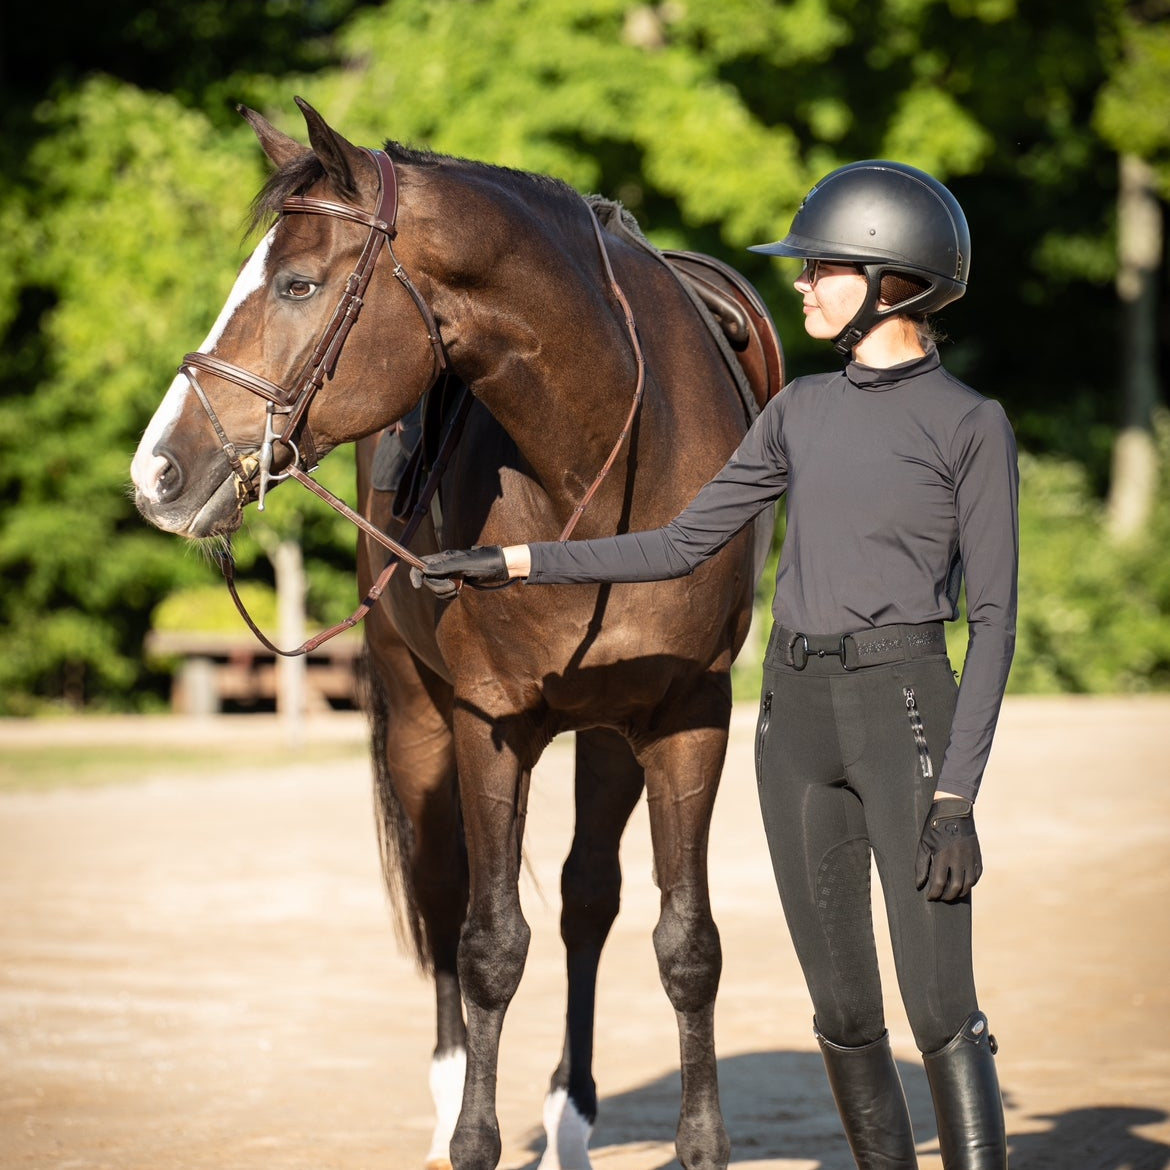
pixel 901 484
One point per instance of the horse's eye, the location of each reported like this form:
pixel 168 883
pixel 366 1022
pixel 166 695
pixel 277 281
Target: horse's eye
pixel 298 288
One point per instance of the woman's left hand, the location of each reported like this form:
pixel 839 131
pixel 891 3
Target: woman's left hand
pixel 948 851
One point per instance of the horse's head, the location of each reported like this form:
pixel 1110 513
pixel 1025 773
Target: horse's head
pixel 280 377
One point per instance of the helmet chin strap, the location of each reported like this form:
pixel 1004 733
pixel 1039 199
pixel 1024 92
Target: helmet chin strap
pixel 866 317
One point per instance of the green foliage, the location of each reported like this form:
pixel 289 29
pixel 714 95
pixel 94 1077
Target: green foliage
pixel 1094 615
pixel 125 190
pixel 200 51
pixel 712 121
pixel 120 242
pixel 598 93
pixel 209 609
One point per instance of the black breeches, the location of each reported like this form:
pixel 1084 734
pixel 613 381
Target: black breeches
pixel 841 774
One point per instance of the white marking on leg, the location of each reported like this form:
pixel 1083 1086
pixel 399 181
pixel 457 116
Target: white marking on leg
pixel 447 1074
pixel 568 1135
pixel 147 467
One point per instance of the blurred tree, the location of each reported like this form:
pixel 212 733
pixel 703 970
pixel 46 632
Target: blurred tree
pixel 711 121
pixel 1131 116
pixel 120 211
pixel 123 260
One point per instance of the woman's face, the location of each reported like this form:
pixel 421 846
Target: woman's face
pixel 832 294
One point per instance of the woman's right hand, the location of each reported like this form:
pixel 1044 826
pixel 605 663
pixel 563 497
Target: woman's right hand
pixel 444 573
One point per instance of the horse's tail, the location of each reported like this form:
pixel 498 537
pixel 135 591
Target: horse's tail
pixel 395 832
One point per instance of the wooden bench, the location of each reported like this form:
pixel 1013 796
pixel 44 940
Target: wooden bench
pixel 215 669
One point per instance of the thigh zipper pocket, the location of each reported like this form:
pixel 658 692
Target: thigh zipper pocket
pixel 762 731
pixel 915 717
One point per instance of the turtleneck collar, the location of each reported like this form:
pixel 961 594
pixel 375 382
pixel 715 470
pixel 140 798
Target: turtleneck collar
pixel 890 378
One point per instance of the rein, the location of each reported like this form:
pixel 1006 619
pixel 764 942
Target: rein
pixel 295 402
pixel 399 552
pixel 639 388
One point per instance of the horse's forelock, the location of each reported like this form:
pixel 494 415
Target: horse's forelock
pixel 294 178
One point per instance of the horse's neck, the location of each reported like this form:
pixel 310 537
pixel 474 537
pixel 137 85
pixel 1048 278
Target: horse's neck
pixel 562 380
pixel 519 284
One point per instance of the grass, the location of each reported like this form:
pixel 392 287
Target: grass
pixel 34 768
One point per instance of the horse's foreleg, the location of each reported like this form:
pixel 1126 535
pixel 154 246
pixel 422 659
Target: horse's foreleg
pixel 682 776
pixel 440 882
pixel 421 846
pixel 494 942
pixel 608 784
pixel 449 1063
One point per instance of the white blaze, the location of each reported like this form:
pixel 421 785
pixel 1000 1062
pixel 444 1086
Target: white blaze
pixel 147 467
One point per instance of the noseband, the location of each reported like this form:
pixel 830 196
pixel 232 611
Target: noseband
pixel 294 401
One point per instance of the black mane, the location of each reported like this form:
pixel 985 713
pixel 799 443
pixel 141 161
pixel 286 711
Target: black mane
pixel 296 177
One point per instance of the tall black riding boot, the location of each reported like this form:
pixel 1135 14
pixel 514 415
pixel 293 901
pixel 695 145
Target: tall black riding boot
pixel 872 1105
pixel 967 1104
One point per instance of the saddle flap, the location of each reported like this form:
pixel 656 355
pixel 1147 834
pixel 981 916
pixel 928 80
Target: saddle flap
pixel 407 453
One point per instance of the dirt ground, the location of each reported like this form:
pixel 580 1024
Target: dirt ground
pixel 200 971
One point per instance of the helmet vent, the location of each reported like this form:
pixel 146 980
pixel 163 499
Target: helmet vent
pixel 897 287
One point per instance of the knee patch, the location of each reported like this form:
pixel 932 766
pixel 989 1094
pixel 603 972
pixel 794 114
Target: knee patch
pixel 846 921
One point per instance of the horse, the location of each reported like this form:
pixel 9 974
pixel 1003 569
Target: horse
pixel 505 285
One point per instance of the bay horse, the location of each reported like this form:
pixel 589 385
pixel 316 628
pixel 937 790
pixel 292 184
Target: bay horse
pixel 502 282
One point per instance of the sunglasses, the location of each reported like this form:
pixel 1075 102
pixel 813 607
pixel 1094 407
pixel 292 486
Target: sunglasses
pixel 812 270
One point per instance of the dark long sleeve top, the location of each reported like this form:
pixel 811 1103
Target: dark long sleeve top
pixel 901 484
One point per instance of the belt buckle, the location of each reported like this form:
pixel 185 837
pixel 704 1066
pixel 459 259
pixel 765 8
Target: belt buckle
pixel 802 641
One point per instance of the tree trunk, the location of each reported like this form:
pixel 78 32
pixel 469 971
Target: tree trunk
pixel 1139 230
pixel 290 672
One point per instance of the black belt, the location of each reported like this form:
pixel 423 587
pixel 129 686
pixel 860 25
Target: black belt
pixel 874 647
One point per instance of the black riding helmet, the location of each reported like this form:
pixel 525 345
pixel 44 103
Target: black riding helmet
pixel 888 219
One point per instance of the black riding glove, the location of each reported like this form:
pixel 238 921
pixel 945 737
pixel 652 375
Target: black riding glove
pixel 477 566
pixel 948 851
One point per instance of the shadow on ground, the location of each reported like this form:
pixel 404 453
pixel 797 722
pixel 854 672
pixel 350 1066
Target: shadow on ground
pixel 797 1121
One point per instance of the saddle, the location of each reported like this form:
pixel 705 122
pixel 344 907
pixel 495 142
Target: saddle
pixel 741 315
pixel 726 301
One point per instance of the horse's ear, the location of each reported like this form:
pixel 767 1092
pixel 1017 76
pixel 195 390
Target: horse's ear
pixel 348 166
pixel 279 147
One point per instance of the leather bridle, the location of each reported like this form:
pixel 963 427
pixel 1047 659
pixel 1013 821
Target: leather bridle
pixel 294 401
